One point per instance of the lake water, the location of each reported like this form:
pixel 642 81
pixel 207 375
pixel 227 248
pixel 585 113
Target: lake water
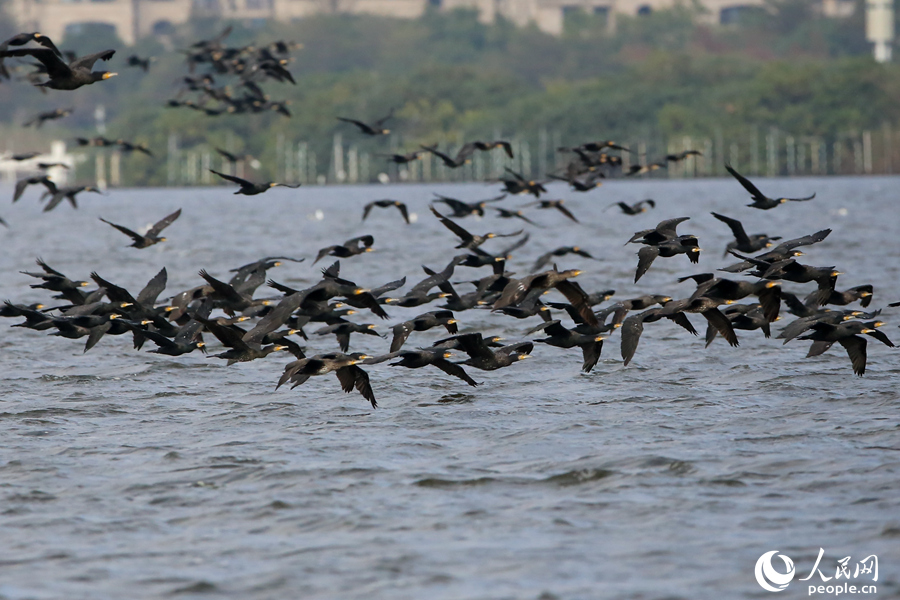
pixel 125 474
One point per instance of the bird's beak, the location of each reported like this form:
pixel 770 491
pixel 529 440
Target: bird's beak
pixel 865 294
pixel 390 300
pixel 83 284
pixel 162 239
pixel 114 316
pixel 108 75
pixel 836 273
pixel 576 248
pixel 599 338
pixel 277 348
pixel 444 295
pixel 878 323
pixel 452 321
pixel 730 301
pixel 521 356
pixel 360 291
pixel 867 330
pixel 201 344
pixel 771 284
pixel 351 312
pixel 617 325
pixel 370 249
pixel 371 326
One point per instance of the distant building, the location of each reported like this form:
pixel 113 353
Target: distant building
pixel 132 19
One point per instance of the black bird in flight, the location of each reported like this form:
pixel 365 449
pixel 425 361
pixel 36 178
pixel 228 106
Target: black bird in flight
pixel 376 128
pixel 71 76
pixel 402 159
pixel 760 200
pixel 634 209
pixel 152 236
pixel 386 204
pixel 248 188
pixel 22 39
pixel 136 61
pixel 39 119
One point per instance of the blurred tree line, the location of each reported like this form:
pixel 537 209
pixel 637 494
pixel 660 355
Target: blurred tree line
pixel 450 78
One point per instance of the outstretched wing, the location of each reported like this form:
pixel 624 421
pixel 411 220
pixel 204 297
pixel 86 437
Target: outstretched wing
pixel 132 234
pixel 88 61
pixel 856 350
pixel 566 212
pixel 237 180
pixel 715 318
pixel 632 328
pixel 55 66
pixel 403 211
pixel 352 376
pixel 802 199
pixel 463 235
pixel 737 229
pixel 646 256
pixel 163 223
pixel 454 369
pixel 754 191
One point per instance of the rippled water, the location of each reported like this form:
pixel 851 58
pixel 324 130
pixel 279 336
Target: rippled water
pixel 125 474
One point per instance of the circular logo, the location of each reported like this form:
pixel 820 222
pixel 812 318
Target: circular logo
pixel 770 579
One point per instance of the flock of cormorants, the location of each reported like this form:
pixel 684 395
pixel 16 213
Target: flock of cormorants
pixel 251 327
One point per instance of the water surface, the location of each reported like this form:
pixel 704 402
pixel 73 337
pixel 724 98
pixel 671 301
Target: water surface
pixel 125 474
